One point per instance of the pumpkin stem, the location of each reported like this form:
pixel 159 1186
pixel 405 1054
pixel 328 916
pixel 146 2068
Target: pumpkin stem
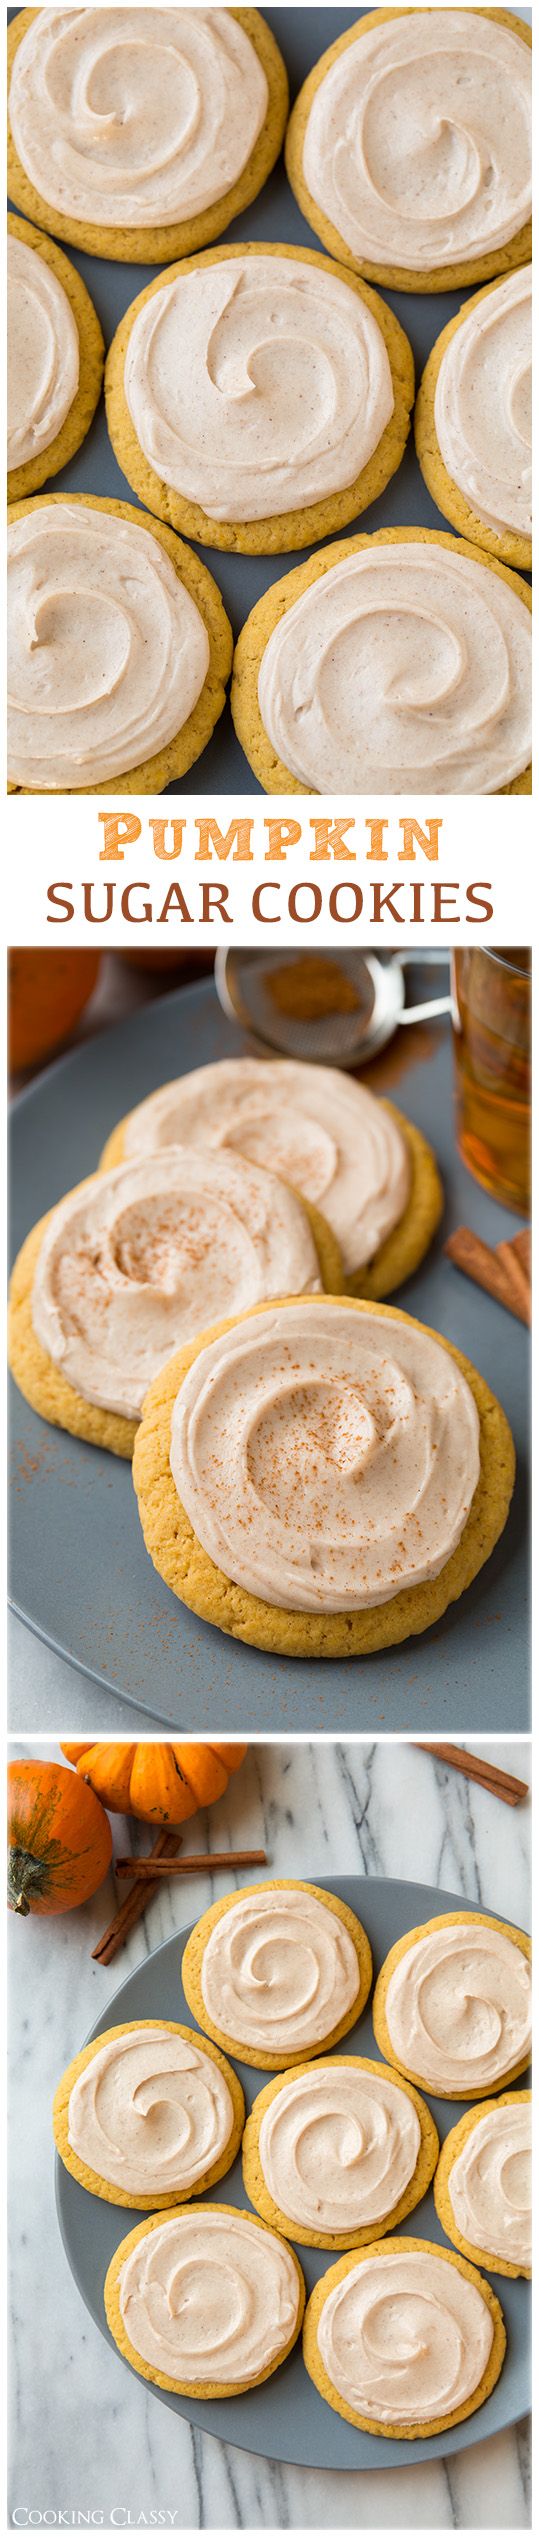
pixel 26 1878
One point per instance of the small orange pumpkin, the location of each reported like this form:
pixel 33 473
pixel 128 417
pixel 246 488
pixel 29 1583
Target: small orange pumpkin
pixel 160 1783
pixel 47 991
pixel 59 1839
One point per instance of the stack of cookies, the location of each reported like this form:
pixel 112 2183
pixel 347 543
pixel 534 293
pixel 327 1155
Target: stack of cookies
pixel 315 1471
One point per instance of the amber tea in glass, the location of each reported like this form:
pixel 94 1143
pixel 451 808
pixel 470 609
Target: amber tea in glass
pixel 492 1038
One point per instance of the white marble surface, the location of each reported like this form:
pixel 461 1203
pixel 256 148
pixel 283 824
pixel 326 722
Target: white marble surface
pixel 86 2436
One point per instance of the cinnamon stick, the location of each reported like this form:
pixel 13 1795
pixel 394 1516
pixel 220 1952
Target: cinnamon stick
pixel 119 1929
pixel 518 1278
pixel 522 1244
pixel 501 1783
pixel 160 1868
pixel 485 1267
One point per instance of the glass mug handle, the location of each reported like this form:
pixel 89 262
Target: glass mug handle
pixel 430 1007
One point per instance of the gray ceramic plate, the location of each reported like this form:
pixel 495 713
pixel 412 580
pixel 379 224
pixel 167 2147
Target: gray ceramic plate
pixel 287 2419
pixel 303 34
pixel 79 1572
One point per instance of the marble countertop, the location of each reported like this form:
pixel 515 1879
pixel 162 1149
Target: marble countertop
pixel 86 2437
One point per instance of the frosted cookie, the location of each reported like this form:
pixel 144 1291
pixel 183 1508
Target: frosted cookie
pixel 149 2114
pixel 409 146
pixel 242 2314
pixel 276 1970
pixel 140 133
pixel 125 688
pixel 55 356
pixel 452 2004
pixel 276 1470
pixel 345 1150
pixel 137 1259
pixel 404 2339
pixel 473 421
pixel 482 2187
pixel 320 707
pixel 336 2149
pixel 301 381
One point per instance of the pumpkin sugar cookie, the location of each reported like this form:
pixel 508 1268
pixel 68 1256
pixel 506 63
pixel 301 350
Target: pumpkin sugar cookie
pixel 391 2151
pixel 472 420
pixel 362 2346
pixel 212 84
pixel 325 425
pixel 475 1970
pixel 138 649
pixel 148 2114
pixel 482 2187
pixel 134 1259
pixel 34 1370
pixel 410 1238
pixel 291 1925
pixel 381 131
pixel 261 1521
pixel 196 2346
pixel 318 709
pixel 55 359
pixel 374 1173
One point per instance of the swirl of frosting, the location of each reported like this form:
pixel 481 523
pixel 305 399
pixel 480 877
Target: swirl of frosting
pixel 210 2296
pixel 418 140
pixel 402 667
pixel 326 1458
pixel 312 1125
pixel 138 1260
pixel 338 2146
pixel 279 1969
pixel 405 2338
pixel 132 117
pixel 483 406
pixel 489 2184
pixel 43 353
pixel 151 2112
pixel 458 2007
pixel 257 384
pixel 107 651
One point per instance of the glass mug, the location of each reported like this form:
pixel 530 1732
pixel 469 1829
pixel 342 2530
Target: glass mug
pixel 491 1010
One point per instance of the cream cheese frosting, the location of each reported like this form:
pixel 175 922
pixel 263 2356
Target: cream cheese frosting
pixel 134 117
pixel 338 2146
pixel 279 1970
pixel 107 651
pixel 418 140
pixel 138 1260
pixel 326 1458
pixel 489 2184
pixel 404 666
pixel 483 406
pixel 210 2297
pixel 313 1125
pixel 405 2338
pixel 257 384
pixel 151 2112
pixel 42 353
pixel 458 2007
